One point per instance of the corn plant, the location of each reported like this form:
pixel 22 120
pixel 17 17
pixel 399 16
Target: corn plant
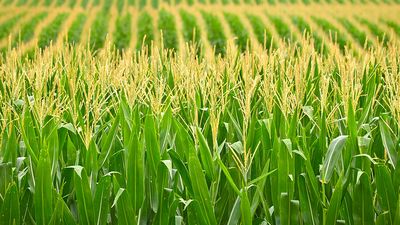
pixel 6 26
pixel 122 35
pixel 395 26
pixel 263 35
pixel 238 29
pixel 191 31
pixel 84 3
pixel 120 5
pixel 333 32
pixel 166 25
pixel 360 36
pixel 27 31
pixel 21 2
pixel 215 33
pixel 374 28
pixel 50 32
pixel 72 3
pixel 75 31
pixel 305 28
pixel 98 30
pixel 282 28
pixel 48 2
pixel 145 31
pixel 110 139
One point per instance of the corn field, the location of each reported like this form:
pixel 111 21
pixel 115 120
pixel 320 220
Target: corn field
pixel 199 112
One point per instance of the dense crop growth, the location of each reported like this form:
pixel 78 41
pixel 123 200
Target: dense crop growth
pixel 170 112
pixel 263 35
pixel 283 29
pixel 360 36
pixel 334 33
pixel 5 27
pixel 145 31
pixel 305 29
pixel 99 30
pixel 122 36
pixel 160 139
pixel 242 36
pixel 27 31
pixel 380 34
pixel 50 32
pixel 216 34
pixel 75 32
pixel 191 30
pixel 166 24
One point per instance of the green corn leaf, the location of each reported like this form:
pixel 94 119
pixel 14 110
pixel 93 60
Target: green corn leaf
pixel 43 197
pixel 84 196
pixel 101 200
pixel 152 144
pixel 234 216
pixel 125 211
pixel 245 208
pixel 385 190
pixel 307 202
pixel 205 154
pixel 362 201
pixel 182 169
pixel 335 201
pixel 135 172
pixel 10 211
pixel 388 143
pixel 200 191
pixel 61 214
pixel 106 148
pixel 332 157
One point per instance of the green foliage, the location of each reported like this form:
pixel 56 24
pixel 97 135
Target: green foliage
pixel 120 5
pixel 59 2
pixel 75 31
pixel 395 26
pixel 238 30
pixel 154 4
pixel 215 33
pixel 48 2
pixel 28 30
pixel 166 25
pixel 50 32
pixel 375 30
pixel 96 2
pixel 84 3
pixel 305 28
pixel 34 3
pixel 6 26
pixel 107 6
pixel 333 33
pixel 72 3
pixel 8 2
pixel 142 3
pixel 98 31
pixel 22 2
pixel 152 149
pixel 145 33
pixel 191 30
pixel 283 29
pixel 263 35
pixel 122 34
pixel 357 34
